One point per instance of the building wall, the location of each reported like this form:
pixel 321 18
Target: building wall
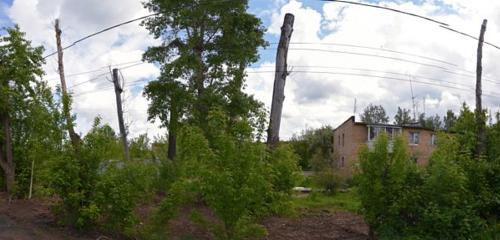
pixel 345 153
pixel 423 151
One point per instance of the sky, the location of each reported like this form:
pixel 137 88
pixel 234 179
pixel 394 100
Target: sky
pixel 339 55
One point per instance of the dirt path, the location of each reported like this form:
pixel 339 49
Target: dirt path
pixel 33 220
pixel 30 220
pixel 339 225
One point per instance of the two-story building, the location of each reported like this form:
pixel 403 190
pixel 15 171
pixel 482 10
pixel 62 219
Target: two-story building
pixel 349 136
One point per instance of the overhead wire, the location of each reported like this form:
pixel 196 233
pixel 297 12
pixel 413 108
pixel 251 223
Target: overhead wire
pixel 371 48
pixel 441 24
pixel 382 77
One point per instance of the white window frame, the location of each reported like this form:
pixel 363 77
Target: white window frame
pixel 412 138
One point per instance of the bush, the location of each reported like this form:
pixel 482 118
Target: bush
pixel 328 181
pixel 232 175
pixel 97 189
pixel 444 202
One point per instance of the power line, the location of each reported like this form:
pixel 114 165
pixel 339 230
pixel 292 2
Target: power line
pixel 380 71
pixel 372 48
pixel 369 55
pixel 103 74
pixel 96 69
pixel 389 9
pixel 369 70
pixel 383 77
pixel 470 36
pixel 441 24
pixel 101 31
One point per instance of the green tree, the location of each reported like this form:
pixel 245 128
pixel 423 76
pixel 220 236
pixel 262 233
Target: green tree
pixel 402 117
pixel 206 47
pixel 449 120
pixel 374 114
pixel 140 147
pixel 233 175
pixel 20 65
pixel 382 182
pixel 313 146
pixel 432 122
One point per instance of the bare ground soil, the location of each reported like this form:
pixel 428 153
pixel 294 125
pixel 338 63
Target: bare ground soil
pixel 33 220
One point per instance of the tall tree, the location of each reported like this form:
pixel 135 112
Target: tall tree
pixel 206 46
pixel 20 66
pixel 374 114
pixel 402 117
pixel 432 122
pixel 449 120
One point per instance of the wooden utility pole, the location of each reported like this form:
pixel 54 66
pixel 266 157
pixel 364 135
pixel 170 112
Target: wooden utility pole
pixel 123 132
pixel 480 118
pixel 75 139
pixel 279 81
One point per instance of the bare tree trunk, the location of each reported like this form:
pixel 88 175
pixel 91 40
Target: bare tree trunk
pixel 480 118
pixel 172 147
pixel 6 155
pixel 75 139
pixel 279 81
pixel 172 131
pixel 123 131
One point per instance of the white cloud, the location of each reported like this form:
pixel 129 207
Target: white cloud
pixel 121 45
pixel 315 99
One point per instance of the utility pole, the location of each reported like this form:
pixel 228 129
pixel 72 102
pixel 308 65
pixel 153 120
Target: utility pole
pixel 279 81
pixel 75 139
pixel 480 118
pixel 123 133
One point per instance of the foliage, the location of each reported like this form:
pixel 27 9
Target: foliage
pixel 432 122
pixel 453 198
pixel 449 120
pixel 382 184
pixel 313 146
pixel 140 148
pixel 231 174
pixel 23 100
pixel 97 188
pixel 327 180
pixel 465 126
pixel 200 66
pixel 402 117
pixel 374 114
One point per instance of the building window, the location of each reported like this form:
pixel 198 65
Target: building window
pixel 433 139
pixel 414 138
pixel 342 162
pixel 343 139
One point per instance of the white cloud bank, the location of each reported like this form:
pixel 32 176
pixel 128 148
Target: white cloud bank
pixel 315 99
pixel 312 99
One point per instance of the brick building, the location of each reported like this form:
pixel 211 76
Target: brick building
pixel 349 136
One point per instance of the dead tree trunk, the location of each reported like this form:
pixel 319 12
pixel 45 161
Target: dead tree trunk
pixel 119 109
pixel 6 154
pixel 75 139
pixel 480 118
pixel 279 81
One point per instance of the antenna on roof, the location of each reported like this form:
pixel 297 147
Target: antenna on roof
pixel 413 99
pixel 424 104
pixel 355 105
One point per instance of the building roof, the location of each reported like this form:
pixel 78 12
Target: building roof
pixel 412 126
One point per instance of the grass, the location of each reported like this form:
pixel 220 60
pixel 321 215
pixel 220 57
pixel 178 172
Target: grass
pixel 316 202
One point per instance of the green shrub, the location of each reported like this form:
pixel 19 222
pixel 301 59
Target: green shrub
pixel 328 181
pixel 232 175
